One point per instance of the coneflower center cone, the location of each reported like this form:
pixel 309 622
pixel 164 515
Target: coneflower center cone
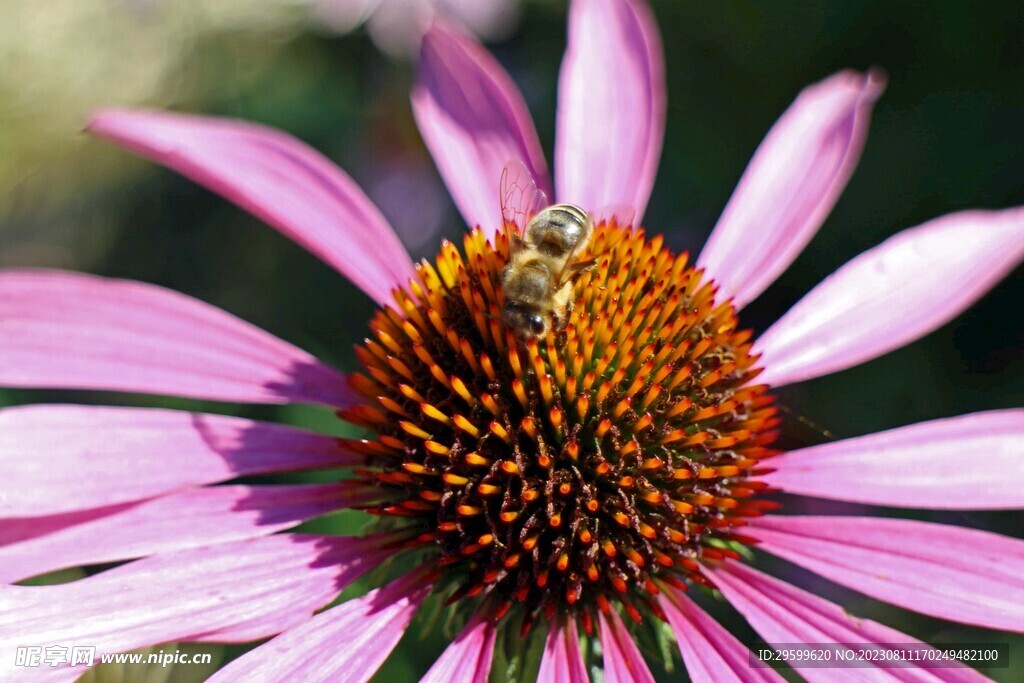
pixel 578 470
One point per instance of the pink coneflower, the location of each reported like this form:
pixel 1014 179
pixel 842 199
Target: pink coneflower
pixel 577 484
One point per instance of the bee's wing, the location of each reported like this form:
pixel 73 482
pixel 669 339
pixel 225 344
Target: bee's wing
pixel 521 199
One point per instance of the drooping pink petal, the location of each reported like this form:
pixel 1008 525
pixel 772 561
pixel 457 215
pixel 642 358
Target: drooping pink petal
pixel 791 184
pixel 562 661
pixel 711 654
pixel 893 294
pixel 468 658
pixel 966 575
pixel 345 644
pixel 188 519
pixel 232 592
pixel 62 458
pixel 474 121
pixel 611 106
pixel 75 331
pixel 782 613
pixel 623 662
pixel 278 179
pixel 959 463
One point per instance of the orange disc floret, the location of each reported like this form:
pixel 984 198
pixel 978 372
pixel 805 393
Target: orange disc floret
pixel 579 468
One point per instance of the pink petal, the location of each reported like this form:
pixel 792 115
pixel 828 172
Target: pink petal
pixel 188 519
pixel 562 661
pixel 468 658
pixel 959 463
pixel 893 294
pixel 791 184
pixel 68 330
pixel 61 458
pixel 950 572
pixel 782 613
pixel 611 106
pixel 623 662
pixel 711 654
pixel 278 179
pixel 474 121
pixel 233 592
pixel 345 644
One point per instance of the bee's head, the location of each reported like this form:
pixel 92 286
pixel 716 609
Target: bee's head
pixel 524 322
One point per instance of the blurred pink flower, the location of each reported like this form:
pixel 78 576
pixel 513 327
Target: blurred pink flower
pixel 87 485
pixel 397 26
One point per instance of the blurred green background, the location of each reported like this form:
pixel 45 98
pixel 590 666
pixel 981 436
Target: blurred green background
pixel 947 135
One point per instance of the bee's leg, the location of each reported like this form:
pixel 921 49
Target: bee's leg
pixel 567 312
pixel 575 270
pixel 558 326
pixel 559 320
pixel 561 307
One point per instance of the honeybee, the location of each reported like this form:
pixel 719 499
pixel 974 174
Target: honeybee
pixel 543 263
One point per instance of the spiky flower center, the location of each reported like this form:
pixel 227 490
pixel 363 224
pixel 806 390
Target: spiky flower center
pixel 583 468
